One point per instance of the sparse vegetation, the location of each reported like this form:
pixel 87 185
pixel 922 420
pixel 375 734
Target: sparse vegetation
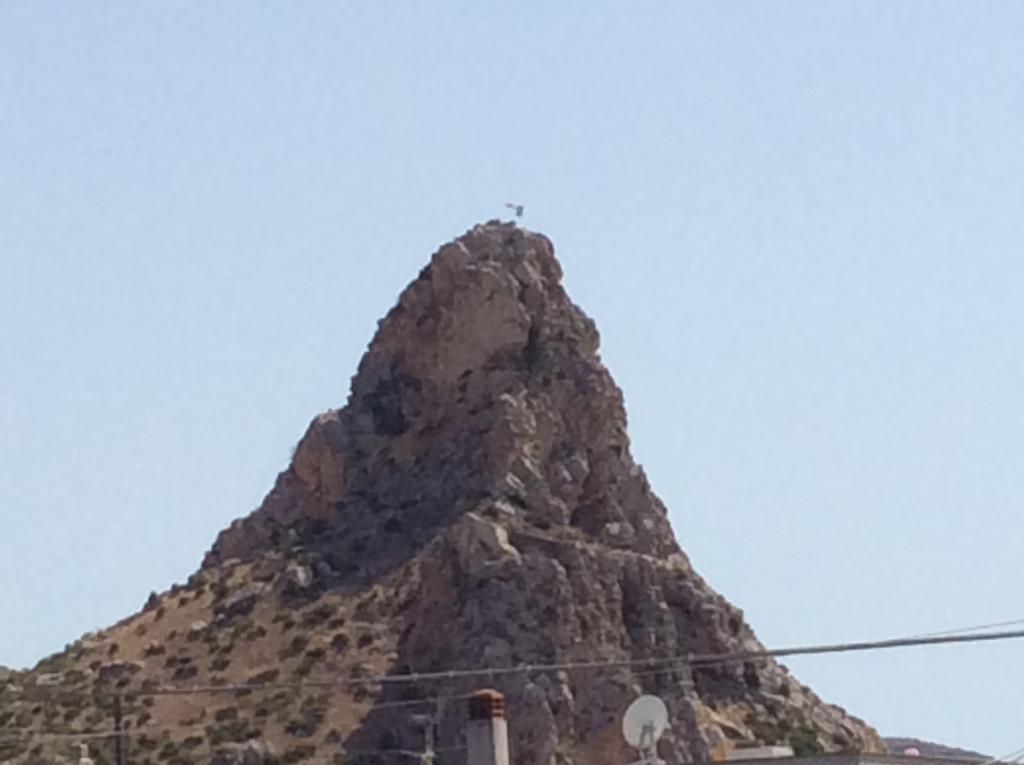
pixel 298 753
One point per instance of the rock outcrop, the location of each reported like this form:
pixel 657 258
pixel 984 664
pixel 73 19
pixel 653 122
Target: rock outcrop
pixel 482 391
pixel 474 505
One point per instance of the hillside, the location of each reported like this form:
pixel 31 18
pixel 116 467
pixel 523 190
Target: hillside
pixel 473 505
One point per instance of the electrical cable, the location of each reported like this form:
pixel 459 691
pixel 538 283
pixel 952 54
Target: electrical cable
pixel 976 628
pixel 693 660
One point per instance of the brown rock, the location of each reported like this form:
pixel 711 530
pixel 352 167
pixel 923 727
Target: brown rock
pixel 474 505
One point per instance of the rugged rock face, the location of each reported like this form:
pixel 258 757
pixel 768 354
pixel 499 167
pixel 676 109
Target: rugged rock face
pixel 482 391
pixel 474 504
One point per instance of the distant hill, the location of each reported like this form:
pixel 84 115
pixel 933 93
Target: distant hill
pixel 930 749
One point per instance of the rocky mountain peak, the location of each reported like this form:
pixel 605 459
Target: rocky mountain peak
pixel 482 392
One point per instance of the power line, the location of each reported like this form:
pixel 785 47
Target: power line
pixel 143 729
pixel 976 628
pixel 1013 756
pixel 376 753
pixel 16 733
pixel 109 734
pixel 694 661
pixel 656 666
pixel 867 645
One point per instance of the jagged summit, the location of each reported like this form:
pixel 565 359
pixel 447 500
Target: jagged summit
pixel 473 505
pixel 482 391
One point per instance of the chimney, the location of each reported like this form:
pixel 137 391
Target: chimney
pixel 487 731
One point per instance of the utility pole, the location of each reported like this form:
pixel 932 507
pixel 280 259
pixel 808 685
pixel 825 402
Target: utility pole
pixel 428 723
pixel 487 730
pixel 118 730
pixel 428 756
pixel 83 755
pixel 108 688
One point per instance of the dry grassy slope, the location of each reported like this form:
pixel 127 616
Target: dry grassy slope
pixel 273 622
pixel 244 623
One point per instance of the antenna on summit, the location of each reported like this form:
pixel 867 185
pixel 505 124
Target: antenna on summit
pixel 516 209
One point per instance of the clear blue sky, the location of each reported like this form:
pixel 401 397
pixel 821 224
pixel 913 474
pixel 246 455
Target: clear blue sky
pixel 799 226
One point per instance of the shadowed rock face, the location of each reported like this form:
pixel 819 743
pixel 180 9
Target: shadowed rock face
pixel 483 452
pixel 474 504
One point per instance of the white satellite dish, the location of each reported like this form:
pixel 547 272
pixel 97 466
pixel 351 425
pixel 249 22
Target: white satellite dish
pixel 645 721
